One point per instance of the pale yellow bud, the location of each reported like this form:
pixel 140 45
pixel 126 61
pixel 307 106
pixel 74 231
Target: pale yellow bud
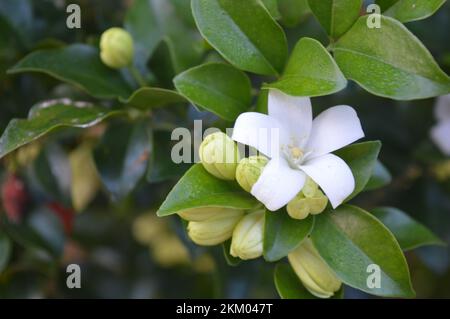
pixel 85 182
pixel 214 230
pixel 219 155
pixel 170 251
pixel 315 274
pixel 116 48
pixel 247 241
pixel 310 200
pixel 204 213
pixel 248 171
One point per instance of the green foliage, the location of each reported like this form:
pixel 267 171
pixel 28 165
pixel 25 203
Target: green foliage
pixel 389 61
pixel 311 71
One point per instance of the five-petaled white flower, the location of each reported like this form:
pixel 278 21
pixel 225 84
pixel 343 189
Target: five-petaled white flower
pixel 298 147
pixel 440 133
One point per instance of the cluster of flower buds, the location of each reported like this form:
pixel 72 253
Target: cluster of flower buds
pixel 310 200
pixel 209 226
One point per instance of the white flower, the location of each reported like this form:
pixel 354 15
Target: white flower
pixel 440 133
pixel 298 147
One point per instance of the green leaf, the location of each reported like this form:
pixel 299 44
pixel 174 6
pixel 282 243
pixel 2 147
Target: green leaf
pixel 122 156
pixel 198 188
pixel 410 10
pixel 336 16
pixel 272 7
pixel 311 71
pixel 148 98
pixel 42 233
pixel 51 172
pixel 216 87
pixel 282 234
pixel 5 251
pixel 77 64
pixel 231 261
pixel 161 167
pixel 288 285
pixel 390 61
pixel 410 234
pixel 243 32
pixel 380 177
pixel 349 240
pixel 45 117
pixel 142 23
pixel 361 158
pixel 155 22
pixel 293 11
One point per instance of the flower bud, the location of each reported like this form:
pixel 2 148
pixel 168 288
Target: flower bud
pixel 247 241
pixel 248 171
pixel 314 273
pixel 214 230
pixel 116 48
pixel 219 155
pixel 310 200
pixel 204 213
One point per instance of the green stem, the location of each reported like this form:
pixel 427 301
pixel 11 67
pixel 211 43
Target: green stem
pixel 137 76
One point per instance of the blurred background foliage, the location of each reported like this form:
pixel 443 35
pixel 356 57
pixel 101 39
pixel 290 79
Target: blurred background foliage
pixel 61 210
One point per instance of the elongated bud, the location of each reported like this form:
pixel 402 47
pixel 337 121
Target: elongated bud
pixel 247 241
pixel 214 230
pixel 205 213
pixel 219 155
pixel 310 200
pixel 248 171
pixel 315 274
pixel 116 48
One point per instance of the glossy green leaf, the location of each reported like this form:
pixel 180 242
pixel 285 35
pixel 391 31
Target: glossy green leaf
pixel 350 239
pixel 410 10
pixel 5 251
pixel 410 234
pixel 380 177
pixel 311 71
pixel 216 87
pixel 293 11
pixel 45 117
pixel 243 32
pixel 361 158
pixel 390 61
pixel 272 7
pixel 148 98
pixel 231 261
pixel 288 285
pixel 336 16
pixel 77 64
pixel 198 188
pixel 122 156
pixel 282 234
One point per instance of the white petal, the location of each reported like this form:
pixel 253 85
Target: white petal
pixel 294 113
pixel 333 129
pixel 333 175
pixel 278 184
pixel 442 108
pixel 440 134
pixel 261 132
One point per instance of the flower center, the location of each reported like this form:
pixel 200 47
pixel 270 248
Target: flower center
pixel 294 155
